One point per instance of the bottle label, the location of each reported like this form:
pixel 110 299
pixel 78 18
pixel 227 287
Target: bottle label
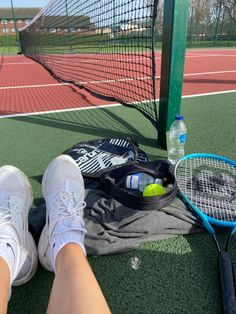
pixel 132 181
pixel 182 138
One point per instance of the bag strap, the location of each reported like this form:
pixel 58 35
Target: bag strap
pixel 112 183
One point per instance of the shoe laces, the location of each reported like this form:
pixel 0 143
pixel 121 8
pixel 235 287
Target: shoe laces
pixel 68 201
pixel 67 206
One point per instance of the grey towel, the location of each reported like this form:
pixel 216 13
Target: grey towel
pixel 113 228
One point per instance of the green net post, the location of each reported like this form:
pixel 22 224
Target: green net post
pixel 175 24
pixel 16 29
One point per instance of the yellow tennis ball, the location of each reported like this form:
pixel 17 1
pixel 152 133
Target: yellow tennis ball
pixel 154 189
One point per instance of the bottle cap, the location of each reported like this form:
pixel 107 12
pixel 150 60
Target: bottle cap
pixel 179 117
pixel 158 181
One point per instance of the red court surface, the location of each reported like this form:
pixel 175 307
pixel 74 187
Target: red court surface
pixel 26 87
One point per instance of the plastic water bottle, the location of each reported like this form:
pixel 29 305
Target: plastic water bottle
pixel 177 139
pixel 138 181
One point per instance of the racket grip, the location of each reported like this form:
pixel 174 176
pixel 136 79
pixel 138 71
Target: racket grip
pixel 227 283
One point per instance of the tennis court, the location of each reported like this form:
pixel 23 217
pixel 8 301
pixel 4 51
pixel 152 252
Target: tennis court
pixel 92 70
pixel 26 87
pixel 40 118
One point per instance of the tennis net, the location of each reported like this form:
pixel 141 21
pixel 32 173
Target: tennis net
pixel 103 46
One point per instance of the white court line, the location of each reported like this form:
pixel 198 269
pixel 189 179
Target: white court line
pixel 131 59
pixel 34 86
pixel 106 106
pixel 209 73
pixel 210 94
pixel 59 110
pixel 16 63
pixel 149 77
pixel 112 81
pixel 209 55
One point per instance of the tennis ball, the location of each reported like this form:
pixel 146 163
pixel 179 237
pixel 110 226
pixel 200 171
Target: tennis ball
pixel 154 189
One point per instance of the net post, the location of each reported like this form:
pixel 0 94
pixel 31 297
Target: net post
pixel 175 24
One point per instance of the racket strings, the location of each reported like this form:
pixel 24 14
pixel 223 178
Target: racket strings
pixel 211 185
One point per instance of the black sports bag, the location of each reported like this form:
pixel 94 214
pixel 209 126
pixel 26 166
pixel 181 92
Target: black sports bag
pixel 105 163
pixel 113 184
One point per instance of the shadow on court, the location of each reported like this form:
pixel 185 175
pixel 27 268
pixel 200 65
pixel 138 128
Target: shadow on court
pixel 98 122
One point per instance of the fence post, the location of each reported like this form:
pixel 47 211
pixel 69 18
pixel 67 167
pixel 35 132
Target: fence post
pixel 219 7
pixel 16 29
pixel 6 39
pixel 68 28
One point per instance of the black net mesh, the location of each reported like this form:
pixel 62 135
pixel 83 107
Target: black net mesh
pixel 104 46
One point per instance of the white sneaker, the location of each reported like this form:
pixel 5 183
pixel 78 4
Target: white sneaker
pixel 17 246
pixel 63 191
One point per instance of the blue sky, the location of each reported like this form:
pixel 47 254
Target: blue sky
pixel 24 3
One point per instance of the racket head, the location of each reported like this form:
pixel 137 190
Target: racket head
pixel 207 183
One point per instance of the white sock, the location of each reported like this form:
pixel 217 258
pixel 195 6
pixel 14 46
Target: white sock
pixel 66 231
pixel 8 251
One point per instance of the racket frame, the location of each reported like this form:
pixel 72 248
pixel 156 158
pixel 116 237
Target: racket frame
pixel 226 270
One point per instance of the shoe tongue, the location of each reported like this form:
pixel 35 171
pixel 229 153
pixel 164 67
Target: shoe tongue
pixel 72 186
pixel 67 185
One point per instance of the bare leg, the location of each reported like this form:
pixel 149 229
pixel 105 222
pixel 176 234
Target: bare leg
pixel 75 288
pixel 61 245
pixel 4 285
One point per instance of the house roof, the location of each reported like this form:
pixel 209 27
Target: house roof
pixel 20 13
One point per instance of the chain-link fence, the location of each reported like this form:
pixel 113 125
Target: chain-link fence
pixel 211 23
pixel 8 42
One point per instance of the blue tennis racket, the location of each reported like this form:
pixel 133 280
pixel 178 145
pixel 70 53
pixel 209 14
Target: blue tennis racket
pixel 208 184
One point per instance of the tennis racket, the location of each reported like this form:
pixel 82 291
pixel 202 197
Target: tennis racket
pixel 208 184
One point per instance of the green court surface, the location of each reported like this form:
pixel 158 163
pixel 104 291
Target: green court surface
pixel 178 275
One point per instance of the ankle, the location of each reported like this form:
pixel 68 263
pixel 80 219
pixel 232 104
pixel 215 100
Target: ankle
pixel 60 240
pixel 68 257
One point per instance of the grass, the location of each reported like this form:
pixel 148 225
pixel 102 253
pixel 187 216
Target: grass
pixel 9 50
